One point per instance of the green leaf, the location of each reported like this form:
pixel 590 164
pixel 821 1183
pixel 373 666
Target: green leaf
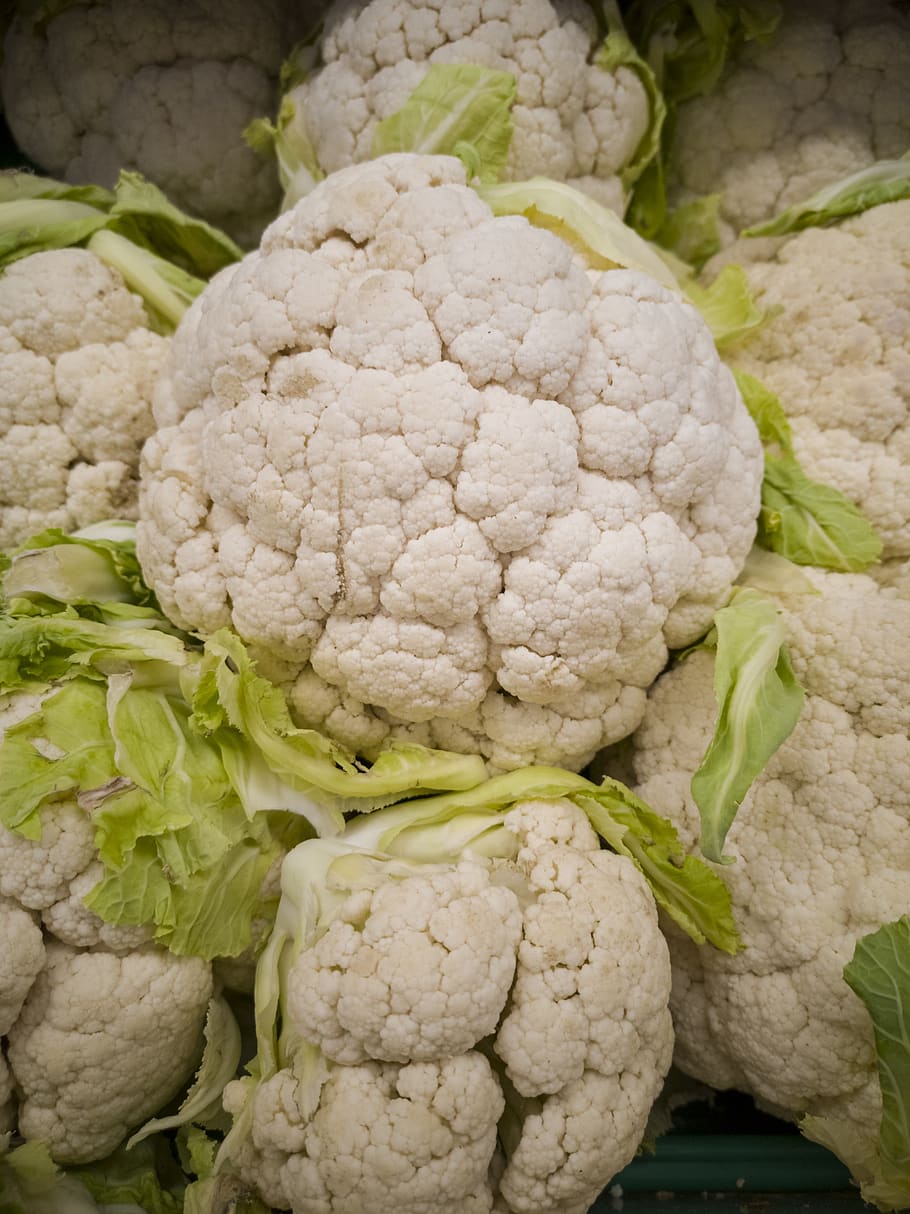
pixel 220 1061
pixel 811 523
pixel 36 225
pixel 144 1180
pixel 164 254
pixel 16 184
pixel 289 141
pixel 441 828
pixel 230 692
pixel 31 1183
pixel 457 109
pixel 694 896
pixel 143 213
pixel 687 44
pixel 759 701
pixel 766 411
pixel 601 237
pixel 95 565
pixel 617 51
pixel 178 770
pixel 728 305
pixel 44 648
pixel 773 574
pixel 803 520
pixel 879 973
pixel 208 914
pixel 71 725
pixel 167 290
pixel 692 230
pixel 884 181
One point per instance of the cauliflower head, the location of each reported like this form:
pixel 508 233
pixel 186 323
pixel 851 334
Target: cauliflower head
pixel 834 350
pixel 78 360
pixel 821 850
pixel 446 482
pixel 166 87
pixel 573 119
pixel 102 1028
pixel 824 97
pixel 430 1007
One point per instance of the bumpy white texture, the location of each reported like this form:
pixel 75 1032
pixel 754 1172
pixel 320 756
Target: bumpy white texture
pixel 821 856
pixel 21 960
pixel 462 489
pixel 835 351
pixel 570 989
pixel 415 971
pixel 103 1042
pixel 414 1138
pixel 587 1034
pixel 572 120
pixel 825 97
pixel 162 86
pixel 77 365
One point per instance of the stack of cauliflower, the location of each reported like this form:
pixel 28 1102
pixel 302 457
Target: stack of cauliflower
pixel 459 483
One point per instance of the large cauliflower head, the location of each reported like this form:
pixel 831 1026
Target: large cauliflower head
pixel 834 349
pixel 77 365
pixel 163 86
pixel 551 967
pixel 447 484
pixel 825 97
pixel 573 120
pixel 821 851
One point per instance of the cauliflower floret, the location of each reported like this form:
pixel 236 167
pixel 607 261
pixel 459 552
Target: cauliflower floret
pixel 21 960
pixel 77 367
pixel 36 873
pixel 103 1042
pixel 824 97
pixel 821 851
pixel 834 350
pixel 454 937
pixel 574 1034
pixel 166 87
pixel 573 120
pixel 469 497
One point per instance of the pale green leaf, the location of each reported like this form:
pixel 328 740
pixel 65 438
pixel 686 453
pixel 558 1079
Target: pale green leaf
pixel 457 109
pixel 811 523
pixel 879 1156
pixel 759 701
pixel 220 1061
pixel 728 305
pixel 605 242
pixel 618 51
pixel 884 181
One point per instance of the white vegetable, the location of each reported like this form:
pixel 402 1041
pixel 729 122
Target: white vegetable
pixel 821 98
pixel 448 483
pixel 163 86
pixel 834 351
pixel 77 364
pixel 581 110
pixel 427 1003
pixel 821 856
